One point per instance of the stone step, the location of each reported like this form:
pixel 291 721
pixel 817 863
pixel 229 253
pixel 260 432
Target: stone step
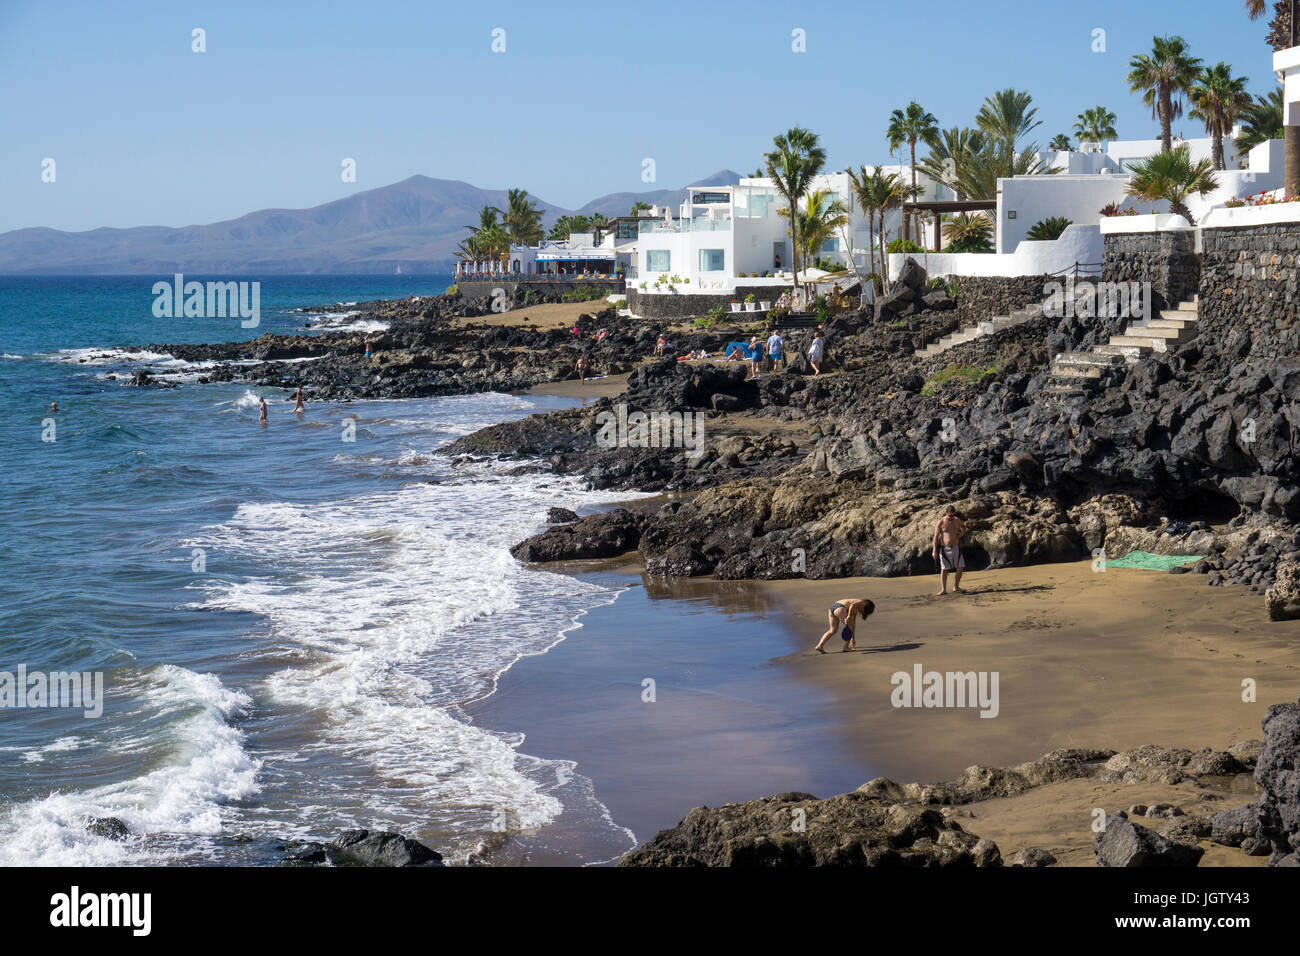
pixel 1130 353
pixel 1178 324
pixel 1150 332
pixel 1069 370
pixel 1183 315
pixel 1149 343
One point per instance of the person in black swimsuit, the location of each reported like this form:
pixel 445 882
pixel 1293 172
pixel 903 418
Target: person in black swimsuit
pixel 841 616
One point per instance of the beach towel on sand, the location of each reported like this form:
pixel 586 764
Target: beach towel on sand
pixel 1147 561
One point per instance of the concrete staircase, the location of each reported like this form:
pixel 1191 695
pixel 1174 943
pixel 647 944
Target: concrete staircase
pixel 1077 374
pixel 986 327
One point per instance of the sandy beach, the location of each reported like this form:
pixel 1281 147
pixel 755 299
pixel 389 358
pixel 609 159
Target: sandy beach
pixel 1113 660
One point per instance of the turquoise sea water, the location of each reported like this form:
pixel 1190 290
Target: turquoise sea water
pixel 287 623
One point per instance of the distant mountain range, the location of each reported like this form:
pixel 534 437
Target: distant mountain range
pixel 413 225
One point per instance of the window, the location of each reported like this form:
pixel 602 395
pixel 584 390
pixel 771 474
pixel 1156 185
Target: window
pixel 711 260
pixel 658 260
pixel 831 245
pixel 758 207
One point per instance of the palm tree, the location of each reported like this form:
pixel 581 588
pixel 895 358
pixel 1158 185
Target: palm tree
pixel 1173 177
pixel 638 206
pixel 1162 78
pixel 819 219
pixel 796 158
pixel 909 126
pixel 1217 99
pixel 1006 117
pixel 978 178
pixel 1060 143
pixel 521 219
pixel 880 193
pixel 1095 125
pixel 969 232
pixel 1261 121
pixel 951 155
pixel 566 225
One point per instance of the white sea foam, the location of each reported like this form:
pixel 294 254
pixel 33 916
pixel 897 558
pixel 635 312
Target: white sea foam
pixel 343 322
pixel 401 607
pixel 186 779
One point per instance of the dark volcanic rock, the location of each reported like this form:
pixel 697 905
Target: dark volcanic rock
pixel 796 829
pixel 560 516
pixel 110 828
pixel 1124 843
pixel 372 848
pixel 604 535
pixel 1278 773
pixel 1235 826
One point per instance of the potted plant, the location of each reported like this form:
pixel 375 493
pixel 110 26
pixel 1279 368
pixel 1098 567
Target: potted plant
pixel 735 305
pixel 750 303
pixel 764 305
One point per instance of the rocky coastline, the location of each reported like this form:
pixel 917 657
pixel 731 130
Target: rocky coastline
pixel 1187 452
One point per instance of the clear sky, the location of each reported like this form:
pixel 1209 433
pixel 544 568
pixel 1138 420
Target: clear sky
pixel 144 131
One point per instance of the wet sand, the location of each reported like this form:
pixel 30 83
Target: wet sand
pixel 727 722
pixel 607 386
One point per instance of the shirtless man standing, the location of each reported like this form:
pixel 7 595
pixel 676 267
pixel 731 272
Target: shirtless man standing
pixel 947 549
pixel 841 616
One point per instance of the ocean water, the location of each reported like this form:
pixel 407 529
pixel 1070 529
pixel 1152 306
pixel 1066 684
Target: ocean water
pixel 289 624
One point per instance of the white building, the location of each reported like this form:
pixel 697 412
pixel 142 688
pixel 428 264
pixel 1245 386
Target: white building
pixel 723 234
pixel 1089 180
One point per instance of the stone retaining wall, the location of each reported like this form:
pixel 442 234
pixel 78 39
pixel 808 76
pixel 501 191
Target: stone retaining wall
pixel 482 291
pixel 1249 282
pixel 1167 260
pixel 689 305
pixel 984 297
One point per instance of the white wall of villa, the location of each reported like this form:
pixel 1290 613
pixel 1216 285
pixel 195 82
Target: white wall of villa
pixel 1078 244
pixel 725 233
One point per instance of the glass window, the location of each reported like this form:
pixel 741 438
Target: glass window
pixel 831 245
pixel 758 207
pixel 711 260
pixel 658 260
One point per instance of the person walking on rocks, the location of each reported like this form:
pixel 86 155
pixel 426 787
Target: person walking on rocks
pixel 581 368
pixel 815 353
pixel 841 616
pixel 947 549
pixel 775 349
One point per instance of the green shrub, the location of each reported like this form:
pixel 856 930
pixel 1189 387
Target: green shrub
pixel 1049 228
pixel 903 245
pixel 585 293
pixel 452 290
pixel 963 375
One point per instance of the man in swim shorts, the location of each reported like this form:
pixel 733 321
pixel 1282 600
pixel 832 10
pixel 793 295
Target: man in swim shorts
pixel 947 549
pixel 841 616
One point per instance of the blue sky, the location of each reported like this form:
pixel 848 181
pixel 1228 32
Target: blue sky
pixel 146 132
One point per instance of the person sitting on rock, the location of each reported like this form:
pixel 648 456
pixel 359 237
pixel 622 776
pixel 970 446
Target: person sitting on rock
pixel 842 616
pixel 661 347
pixel 947 549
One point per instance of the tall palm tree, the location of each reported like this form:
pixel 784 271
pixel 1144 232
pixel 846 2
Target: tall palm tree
pixel 1173 177
pixel 879 193
pixel 1162 77
pixel 819 219
pixel 1006 117
pixel 978 177
pixel 951 155
pixel 521 218
pixel 1095 125
pixel 1217 99
pixel 796 158
pixel 638 206
pixel 1060 143
pixel 911 125
pixel 1261 121
pixel 566 225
